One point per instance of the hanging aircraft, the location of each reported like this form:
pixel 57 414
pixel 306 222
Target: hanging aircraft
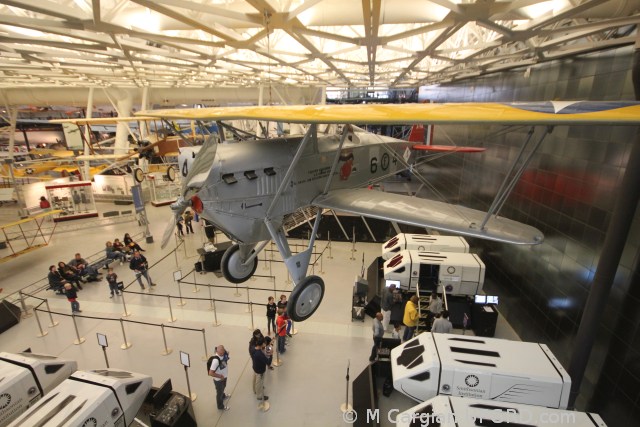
pixel 246 189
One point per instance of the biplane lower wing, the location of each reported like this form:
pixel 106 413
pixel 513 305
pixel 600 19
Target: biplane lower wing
pixel 428 213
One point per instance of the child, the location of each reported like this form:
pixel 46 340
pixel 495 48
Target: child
pixel 268 350
pixel 271 315
pixel 112 280
pixel 72 297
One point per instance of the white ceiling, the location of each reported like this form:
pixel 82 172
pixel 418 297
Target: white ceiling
pixel 332 43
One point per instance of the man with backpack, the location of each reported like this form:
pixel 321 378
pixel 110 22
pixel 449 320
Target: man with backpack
pixel 217 365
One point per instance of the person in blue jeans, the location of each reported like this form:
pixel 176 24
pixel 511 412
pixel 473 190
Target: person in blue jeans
pixel 139 264
pixel 112 253
pixel 72 297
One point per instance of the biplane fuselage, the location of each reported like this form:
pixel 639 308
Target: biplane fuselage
pixel 245 177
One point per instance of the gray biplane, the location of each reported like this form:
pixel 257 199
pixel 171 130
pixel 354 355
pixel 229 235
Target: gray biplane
pixel 246 189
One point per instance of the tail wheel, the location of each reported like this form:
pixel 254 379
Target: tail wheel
pixel 305 298
pixel 232 266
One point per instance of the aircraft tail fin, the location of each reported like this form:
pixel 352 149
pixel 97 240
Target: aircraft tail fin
pixel 417 134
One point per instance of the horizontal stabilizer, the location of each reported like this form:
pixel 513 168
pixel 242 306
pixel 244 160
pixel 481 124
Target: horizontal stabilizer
pixel 428 213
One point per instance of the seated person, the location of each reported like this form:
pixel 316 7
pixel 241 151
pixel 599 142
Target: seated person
pixel 56 281
pixel 112 253
pixel 70 274
pixel 120 247
pixel 84 269
pixel 128 242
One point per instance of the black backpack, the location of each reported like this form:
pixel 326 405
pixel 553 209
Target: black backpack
pixel 211 360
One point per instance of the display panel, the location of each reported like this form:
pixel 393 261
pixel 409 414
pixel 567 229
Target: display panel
pixel 392 282
pixel 481 299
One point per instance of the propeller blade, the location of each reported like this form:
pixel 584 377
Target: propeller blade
pixel 168 231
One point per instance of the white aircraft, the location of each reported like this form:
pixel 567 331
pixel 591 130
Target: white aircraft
pixel 246 188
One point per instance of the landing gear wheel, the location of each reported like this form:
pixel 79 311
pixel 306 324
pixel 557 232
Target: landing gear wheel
pixel 138 175
pixel 305 298
pixel 232 268
pixel 171 173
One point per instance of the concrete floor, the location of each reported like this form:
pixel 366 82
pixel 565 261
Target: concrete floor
pixel 308 387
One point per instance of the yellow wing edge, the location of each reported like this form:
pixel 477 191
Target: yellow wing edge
pixel 587 113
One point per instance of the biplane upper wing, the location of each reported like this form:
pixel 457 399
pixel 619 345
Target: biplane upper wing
pixel 515 113
pixel 428 213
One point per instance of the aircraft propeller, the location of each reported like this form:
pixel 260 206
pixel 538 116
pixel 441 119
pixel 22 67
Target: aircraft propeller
pixel 195 179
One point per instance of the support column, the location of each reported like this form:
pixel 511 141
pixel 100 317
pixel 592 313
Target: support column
pixel 87 136
pixel 124 106
pixel 259 132
pixel 144 105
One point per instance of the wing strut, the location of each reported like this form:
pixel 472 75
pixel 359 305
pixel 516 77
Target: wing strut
pixel 311 134
pixel 510 181
pixel 345 131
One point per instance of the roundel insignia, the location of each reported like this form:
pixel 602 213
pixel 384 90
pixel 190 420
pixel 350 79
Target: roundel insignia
pixel 471 380
pixel 451 269
pixel 90 422
pixel 449 288
pixel 5 400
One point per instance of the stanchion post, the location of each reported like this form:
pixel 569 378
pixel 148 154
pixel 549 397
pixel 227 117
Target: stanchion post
pixel 265 260
pixel 248 300
pixel 42 332
pixel 329 244
pixel 210 298
pixel 125 345
pixel 277 362
pixel 25 309
pixel 237 294
pixel 53 322
pixel 251 314
pixel 171 318
pixel 288 282
pixel 346 407
pixel 167 350
pixel 353 243
pixel 124 305
pixel 321 266
pixel 192 396
pixel 79 339
pixel 195 283
pixel 206 350
pixel 293 328
pixel 181 303
pixel 215 314
pixel 274 287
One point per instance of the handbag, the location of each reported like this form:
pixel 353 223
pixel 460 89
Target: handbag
pixel 120 286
